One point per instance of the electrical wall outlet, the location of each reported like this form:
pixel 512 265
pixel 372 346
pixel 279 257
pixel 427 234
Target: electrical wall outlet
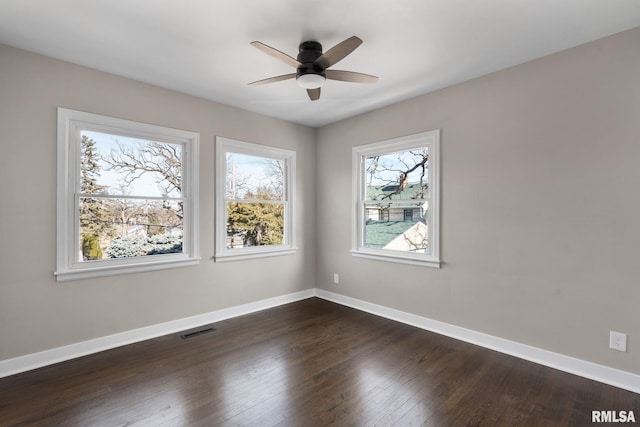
pixel 618 341
pixel 336 278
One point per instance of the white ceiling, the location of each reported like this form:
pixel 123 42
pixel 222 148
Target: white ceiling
pixel 201 47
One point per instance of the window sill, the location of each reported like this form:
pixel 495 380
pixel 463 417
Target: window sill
pixel 113 270
pixel 402 259
pixel 228 256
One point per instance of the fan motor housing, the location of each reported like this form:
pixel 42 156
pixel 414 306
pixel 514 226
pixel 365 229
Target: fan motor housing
pixel 309 51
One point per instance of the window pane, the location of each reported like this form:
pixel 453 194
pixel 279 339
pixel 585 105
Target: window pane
pixel 252 177
pixel 396 226
pixel 400 175
pixel 397 193
pixel 254 224
pixel 120 165
pixel 122 228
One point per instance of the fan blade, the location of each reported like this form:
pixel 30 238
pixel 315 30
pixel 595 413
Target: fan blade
pixel 350 76
pixel 273 79
pixel 276 54
pixel 338 52
pixel 314 94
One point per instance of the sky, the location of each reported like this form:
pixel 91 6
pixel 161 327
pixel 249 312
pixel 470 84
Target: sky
pixel 251 172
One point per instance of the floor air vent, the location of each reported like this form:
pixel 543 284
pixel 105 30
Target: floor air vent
pixel 196 333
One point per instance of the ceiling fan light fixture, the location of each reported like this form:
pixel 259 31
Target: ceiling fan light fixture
pixel 310 80
pixel 312 65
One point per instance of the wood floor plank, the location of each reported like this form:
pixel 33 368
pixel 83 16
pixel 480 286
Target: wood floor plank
pixel 308 363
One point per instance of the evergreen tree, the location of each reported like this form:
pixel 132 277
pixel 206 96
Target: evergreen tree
pixel 93 213
pixel 258 223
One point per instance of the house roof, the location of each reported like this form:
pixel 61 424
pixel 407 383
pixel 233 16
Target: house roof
pixel 414 239
pixel 380 233
pixel 387 192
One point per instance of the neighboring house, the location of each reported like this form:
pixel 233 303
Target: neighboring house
pixel 396 219
pixel 394 205
pixel 136 231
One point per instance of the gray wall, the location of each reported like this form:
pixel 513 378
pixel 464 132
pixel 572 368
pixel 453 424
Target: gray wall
pixel 36 312
pixel 540 204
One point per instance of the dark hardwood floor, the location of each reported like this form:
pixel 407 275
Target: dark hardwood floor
pixel 308 363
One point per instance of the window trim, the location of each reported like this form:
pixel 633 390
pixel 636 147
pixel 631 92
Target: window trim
pixel 70 123
pixel 222 253
pixel 430 139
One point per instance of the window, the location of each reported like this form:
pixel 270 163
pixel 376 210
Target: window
pixel 126 196
pixel 396 199
pixel 254 201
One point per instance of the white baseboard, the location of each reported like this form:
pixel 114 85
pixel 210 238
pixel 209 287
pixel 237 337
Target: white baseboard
pixel 603 374
pixel 593 371
pixel 60 354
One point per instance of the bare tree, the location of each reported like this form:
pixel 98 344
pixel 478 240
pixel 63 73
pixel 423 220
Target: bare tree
pixel 403 164
pixel 276 171
pixel 162 159
pixel 237 183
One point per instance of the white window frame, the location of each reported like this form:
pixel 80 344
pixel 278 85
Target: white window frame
pixel 227 145
pixel 70 124
pixel 430 139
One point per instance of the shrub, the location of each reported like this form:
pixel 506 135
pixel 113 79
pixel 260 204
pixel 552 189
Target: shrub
pixel 124 247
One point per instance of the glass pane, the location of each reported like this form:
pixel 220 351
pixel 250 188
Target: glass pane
pixel 254 178
pixel 121 165
pixel 254 224
pixel 401 175
pixel 396 226
pixel 123 228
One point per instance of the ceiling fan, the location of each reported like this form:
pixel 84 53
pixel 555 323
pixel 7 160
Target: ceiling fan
pixel 311 65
